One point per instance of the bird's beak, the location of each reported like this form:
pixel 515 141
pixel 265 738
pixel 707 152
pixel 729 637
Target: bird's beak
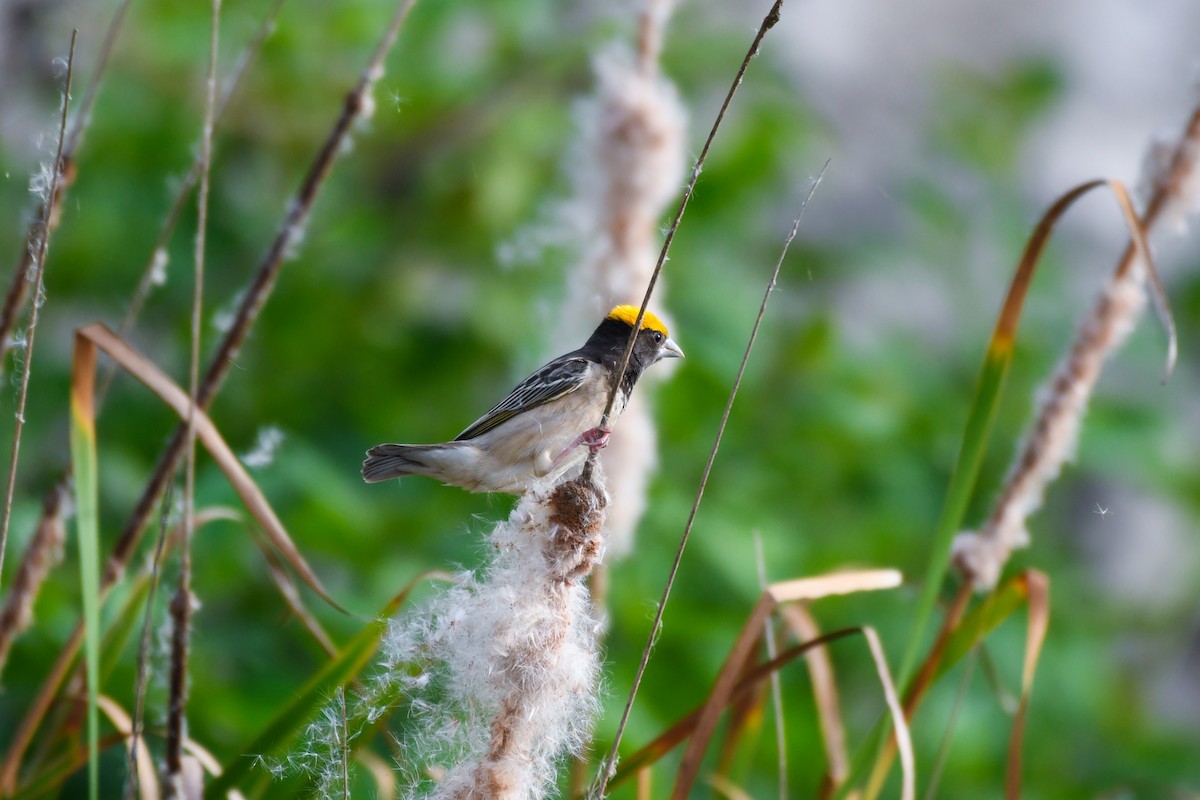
pixel 669 349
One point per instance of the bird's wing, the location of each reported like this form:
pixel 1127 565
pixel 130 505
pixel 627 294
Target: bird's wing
pixel 560 377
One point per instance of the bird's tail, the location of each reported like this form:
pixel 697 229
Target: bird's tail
pixel 388 461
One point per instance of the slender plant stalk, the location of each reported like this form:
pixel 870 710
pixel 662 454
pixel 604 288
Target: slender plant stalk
pixel 143 657
pixel 49 210
pixel 255 297
pixel 601 782
pixel 42 238
pixel 767 23
pixel 181 605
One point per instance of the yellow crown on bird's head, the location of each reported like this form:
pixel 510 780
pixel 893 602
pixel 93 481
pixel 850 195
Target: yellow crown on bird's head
pixel 628 315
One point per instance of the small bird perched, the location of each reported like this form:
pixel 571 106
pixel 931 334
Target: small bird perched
pixel 533 435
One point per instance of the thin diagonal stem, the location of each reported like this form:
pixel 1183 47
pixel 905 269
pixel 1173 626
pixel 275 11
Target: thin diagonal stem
pixel 601 782
pixel 43 246
pixel 46 219
pixel 767 23
pixel 258 292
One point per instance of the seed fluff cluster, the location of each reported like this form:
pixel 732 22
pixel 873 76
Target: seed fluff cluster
pixel 498 675
pixel 626 164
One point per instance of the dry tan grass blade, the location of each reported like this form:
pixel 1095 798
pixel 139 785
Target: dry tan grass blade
pixel 291 596
pixel 381 771
pixel 727 788
pixel 148 788
pixel 900 732
pixel 88 339
pixel 743 649
pixel 1038 585
pixel 825 695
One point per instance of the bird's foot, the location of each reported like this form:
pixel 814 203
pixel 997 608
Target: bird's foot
pixel 594 439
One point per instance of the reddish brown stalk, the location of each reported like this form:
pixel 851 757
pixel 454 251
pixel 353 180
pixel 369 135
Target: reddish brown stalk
pixel 43 552
pixel 924 677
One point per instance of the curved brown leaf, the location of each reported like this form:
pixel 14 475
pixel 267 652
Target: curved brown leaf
pixel 98 336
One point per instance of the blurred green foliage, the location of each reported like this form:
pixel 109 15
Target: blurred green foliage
pixel 396 321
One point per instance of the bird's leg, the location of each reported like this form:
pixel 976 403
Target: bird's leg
pixel 595 439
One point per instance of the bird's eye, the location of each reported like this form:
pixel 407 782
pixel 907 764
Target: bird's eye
pixel 658 337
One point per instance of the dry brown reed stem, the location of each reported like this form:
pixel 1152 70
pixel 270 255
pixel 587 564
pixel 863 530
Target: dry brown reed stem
pixel 183 602
pixel 41 248
pixel 606 768
pixel 291 595
pixel 43 552
pixel 353 108
pixel 981 556
pixel 50 208
pixel 924 677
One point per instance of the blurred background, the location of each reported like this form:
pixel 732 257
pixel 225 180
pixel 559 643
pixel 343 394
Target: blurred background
pixel 430 279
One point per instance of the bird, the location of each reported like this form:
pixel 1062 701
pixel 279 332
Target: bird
pixel 546 425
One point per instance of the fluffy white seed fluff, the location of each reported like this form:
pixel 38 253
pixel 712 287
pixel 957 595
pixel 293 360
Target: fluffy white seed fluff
pixel 625 166
pixel 265 446
pixel 1174 163
pixel 497 674
pixel 508 685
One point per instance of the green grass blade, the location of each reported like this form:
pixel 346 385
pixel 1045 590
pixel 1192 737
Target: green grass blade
pixel 984 402
pixel 83 465
pixel 983 410
pixel 978 623
pixel 349 662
